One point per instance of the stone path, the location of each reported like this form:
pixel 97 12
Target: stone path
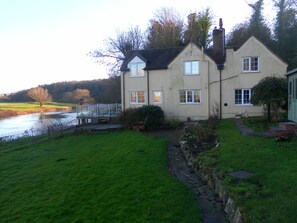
pixel 211 208
pixel 244 130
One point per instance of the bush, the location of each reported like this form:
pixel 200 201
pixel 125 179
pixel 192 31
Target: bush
pixel 152 117
pixel 172 123
pixel 129 117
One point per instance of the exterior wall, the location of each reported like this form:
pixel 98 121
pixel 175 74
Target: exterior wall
pixel 233 77
pixel 292 97
pixel 170 81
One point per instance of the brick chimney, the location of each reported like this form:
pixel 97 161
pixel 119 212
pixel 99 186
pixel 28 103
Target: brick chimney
pixel 219 53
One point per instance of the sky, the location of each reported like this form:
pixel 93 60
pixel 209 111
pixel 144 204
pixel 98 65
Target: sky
pixel 47 41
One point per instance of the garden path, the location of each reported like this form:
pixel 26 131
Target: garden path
pixel 211 208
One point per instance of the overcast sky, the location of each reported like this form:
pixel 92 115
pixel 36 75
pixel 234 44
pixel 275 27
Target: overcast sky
pixel 47 41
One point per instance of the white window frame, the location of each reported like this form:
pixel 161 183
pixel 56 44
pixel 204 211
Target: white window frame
pixel 154 97
pixel 137 97
pixel 242 97
pixel 249 63
pixel 190 65
pixel 189 96
pixel 138 71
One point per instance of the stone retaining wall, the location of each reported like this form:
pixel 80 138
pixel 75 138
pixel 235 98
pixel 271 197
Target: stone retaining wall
pixel 214 181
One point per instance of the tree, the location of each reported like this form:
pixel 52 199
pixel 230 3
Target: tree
pixel 285 29
pixel 198 30
pixel 83 94
pixel 39 95
pixel 272 92
pixel 165 29
pixel 256 26
pixel 116 48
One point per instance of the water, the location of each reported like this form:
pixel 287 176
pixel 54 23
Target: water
pixel 38 121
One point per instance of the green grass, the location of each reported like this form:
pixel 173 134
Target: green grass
pixel 31 106
pixel 270 195
pixel 259 124
pixel 117 177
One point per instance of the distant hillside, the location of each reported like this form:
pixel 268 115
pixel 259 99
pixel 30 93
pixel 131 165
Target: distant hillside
pixel 102 90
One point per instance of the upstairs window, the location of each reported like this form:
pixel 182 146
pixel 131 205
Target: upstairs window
pixel 191 67
pixel 136 69
pixel 243 96
pixel 190 96
pixel 250 64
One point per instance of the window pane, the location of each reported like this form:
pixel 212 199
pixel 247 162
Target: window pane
pixel 187 67
pixel 245 64
pixel 140 67
pixel 157 96
pixel 197 96
pixel 182 96
pixel 140 96
pixel 133 68
pixel 254 64
pixel 238 97
pixel 189 96
pixel 133 97
pixel 195 67
pixel 246 96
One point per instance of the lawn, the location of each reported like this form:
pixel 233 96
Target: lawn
pixel 270 195
pixel 116 177
pixel 31 106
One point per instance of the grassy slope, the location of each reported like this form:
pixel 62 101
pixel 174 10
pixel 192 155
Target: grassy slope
pixel 119 177
pixel 270 195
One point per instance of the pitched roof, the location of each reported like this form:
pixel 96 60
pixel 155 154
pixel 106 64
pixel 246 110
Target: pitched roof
pixel 155 59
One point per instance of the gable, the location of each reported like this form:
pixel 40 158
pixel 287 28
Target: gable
pixel 254 47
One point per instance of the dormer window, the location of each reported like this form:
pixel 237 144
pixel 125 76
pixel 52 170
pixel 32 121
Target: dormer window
pixel 136 69
pixel 250 64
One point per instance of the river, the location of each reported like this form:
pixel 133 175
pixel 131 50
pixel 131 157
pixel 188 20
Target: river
pixel 17 125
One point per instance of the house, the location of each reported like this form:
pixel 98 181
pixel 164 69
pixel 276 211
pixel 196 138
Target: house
pixel 292 95
pixel 193 83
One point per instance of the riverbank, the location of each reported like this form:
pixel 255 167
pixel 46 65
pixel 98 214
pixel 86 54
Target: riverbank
pixel 14 109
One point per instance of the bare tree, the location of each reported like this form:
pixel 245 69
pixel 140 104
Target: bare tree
pixel 39 95
pixel 116 48
pixel 165 29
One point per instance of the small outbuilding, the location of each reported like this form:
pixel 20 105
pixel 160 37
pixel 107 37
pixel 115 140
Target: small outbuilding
pixel 292 95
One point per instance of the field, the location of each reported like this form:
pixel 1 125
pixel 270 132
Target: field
pixel 11 109
pixel 116 177
pixel 270 195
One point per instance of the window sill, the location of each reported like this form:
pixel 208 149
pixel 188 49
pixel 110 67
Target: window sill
pixel 136 76
pixel 250 72
pixel 196 103
pixel 135 103
pixel 243 105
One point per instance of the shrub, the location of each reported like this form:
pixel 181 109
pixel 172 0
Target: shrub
pixel 172 123
pixel 152 117
pixel 129 117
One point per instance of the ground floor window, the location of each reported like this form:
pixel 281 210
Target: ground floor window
pixel 243 96
pixel 190 96
pixel 157 97
pixel 137 97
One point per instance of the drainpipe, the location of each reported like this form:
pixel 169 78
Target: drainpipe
pixel 123 92
pixel 148 86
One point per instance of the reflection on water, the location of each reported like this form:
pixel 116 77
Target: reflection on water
pixel 22 123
